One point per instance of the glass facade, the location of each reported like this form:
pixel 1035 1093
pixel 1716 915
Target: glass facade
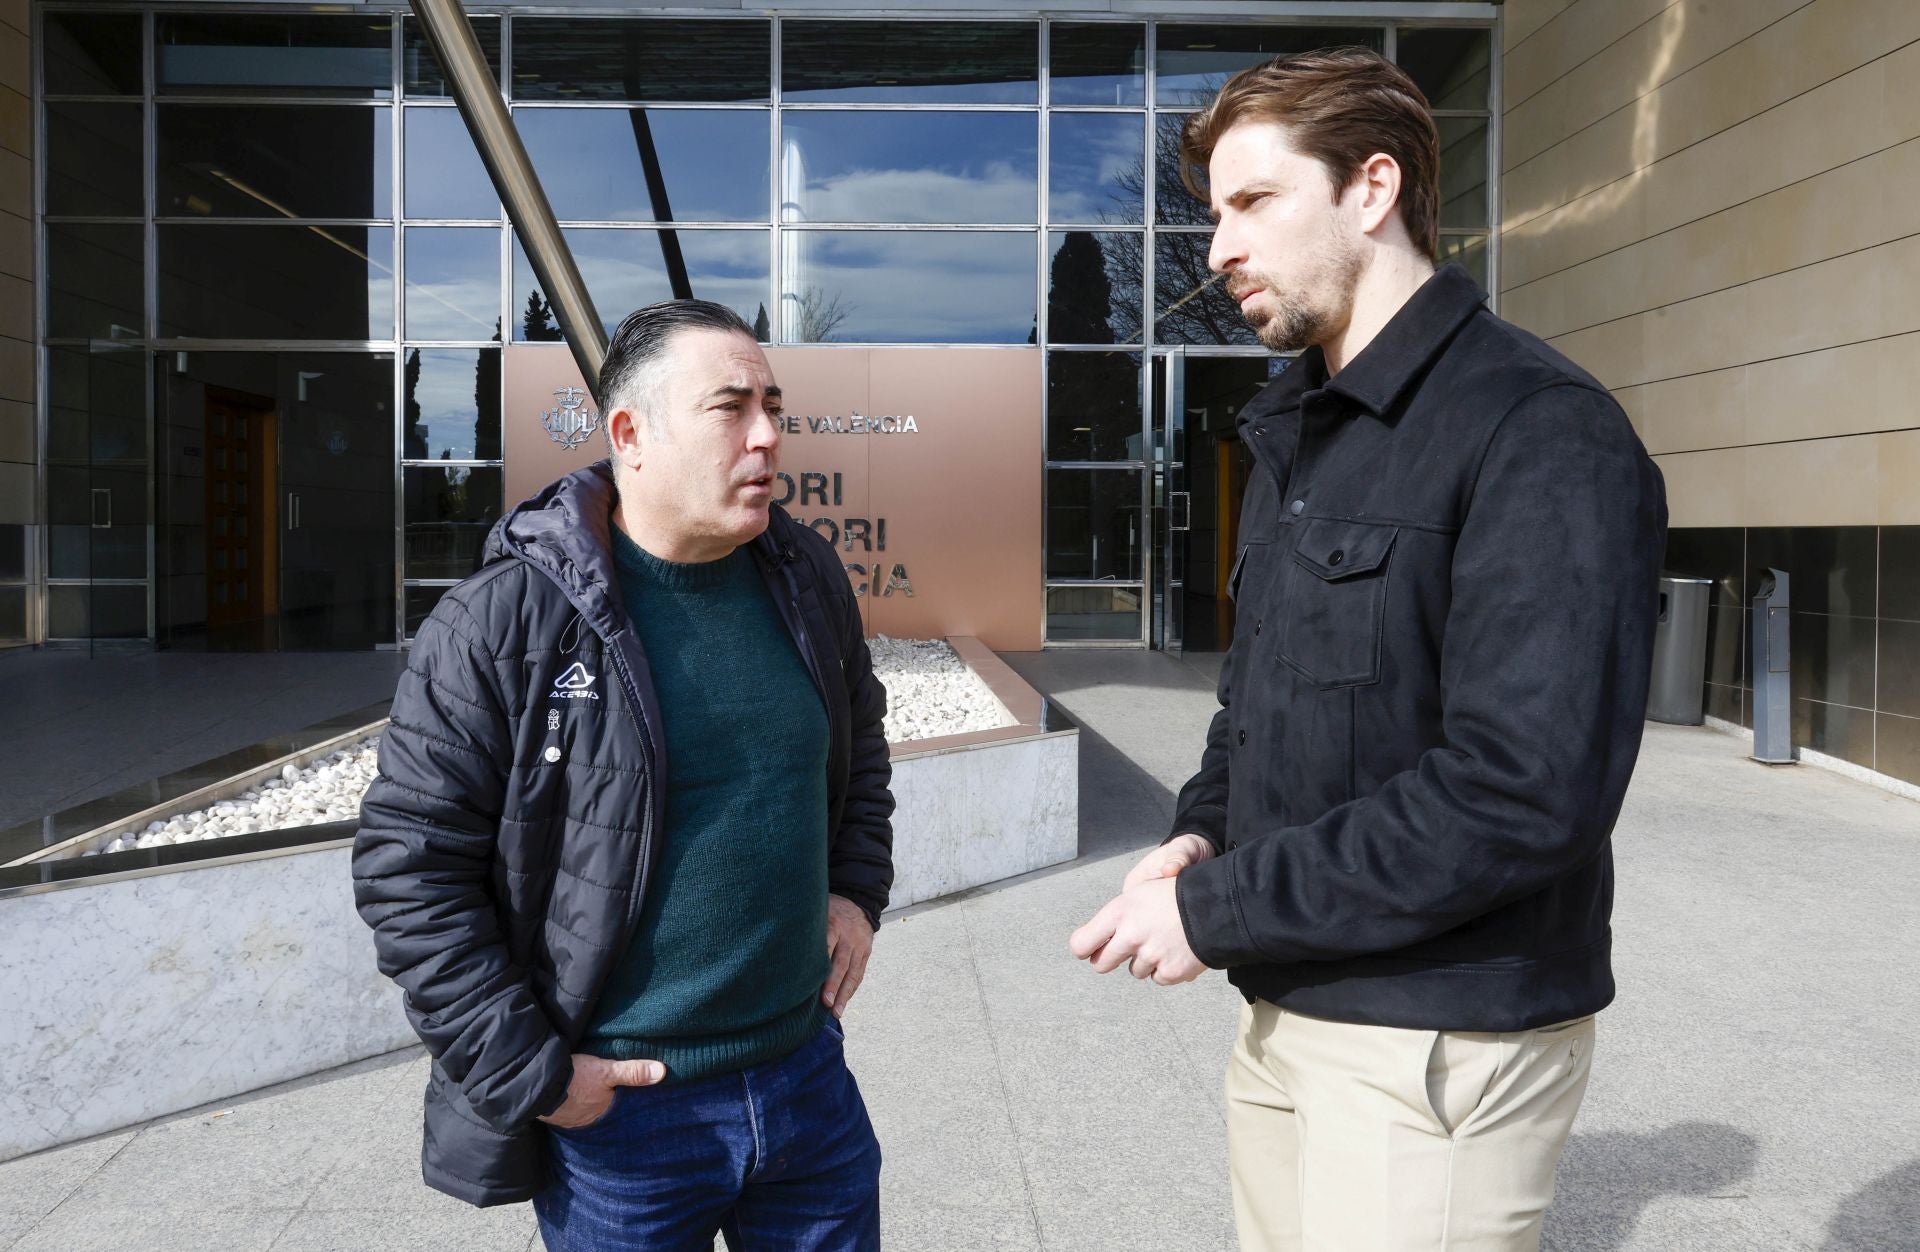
pixel 259 192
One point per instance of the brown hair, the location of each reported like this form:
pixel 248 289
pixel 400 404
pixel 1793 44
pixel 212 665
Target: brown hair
pixel 1340 106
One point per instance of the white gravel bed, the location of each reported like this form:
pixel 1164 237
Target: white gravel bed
pixel 930 692
pixel 328 790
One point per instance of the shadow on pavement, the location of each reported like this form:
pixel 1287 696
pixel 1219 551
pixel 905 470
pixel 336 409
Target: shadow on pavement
pixel 1607 1181
pixel 1122 807
pixel 1883 1216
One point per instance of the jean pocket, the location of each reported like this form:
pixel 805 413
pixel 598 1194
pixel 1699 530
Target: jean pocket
pixel 601 1122
pixel 835 1028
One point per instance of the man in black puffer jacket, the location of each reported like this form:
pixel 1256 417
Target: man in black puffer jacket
pixel 630 838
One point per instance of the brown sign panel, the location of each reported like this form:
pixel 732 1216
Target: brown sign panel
pixel 921 465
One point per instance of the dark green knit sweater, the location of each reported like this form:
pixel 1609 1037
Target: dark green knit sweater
pixel 726 967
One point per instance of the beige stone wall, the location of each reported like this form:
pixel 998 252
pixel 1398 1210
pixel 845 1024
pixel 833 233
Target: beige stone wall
pixel 1715 207
pixel 17 426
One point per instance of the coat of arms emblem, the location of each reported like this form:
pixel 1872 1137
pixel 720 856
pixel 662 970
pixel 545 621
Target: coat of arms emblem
pixel 570 423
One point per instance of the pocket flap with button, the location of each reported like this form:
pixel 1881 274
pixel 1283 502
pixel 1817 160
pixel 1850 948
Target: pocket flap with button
pixel 1335 549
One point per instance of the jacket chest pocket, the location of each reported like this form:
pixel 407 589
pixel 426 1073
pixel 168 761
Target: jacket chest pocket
pixel 1336 600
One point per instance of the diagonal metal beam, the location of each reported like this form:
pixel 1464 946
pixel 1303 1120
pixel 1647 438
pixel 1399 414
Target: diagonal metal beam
pixel 478 95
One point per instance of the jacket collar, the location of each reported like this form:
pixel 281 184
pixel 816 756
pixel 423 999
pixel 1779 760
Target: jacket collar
pixel 1377 378
pixel 566 532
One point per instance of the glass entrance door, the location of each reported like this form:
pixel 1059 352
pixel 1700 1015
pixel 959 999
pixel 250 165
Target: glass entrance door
pixel 277 501
pixel 1172 500
pixel 1200 472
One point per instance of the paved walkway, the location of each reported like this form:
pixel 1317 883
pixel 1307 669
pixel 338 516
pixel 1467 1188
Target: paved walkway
pixel 1754 1087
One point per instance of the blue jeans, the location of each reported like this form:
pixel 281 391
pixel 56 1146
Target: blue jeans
pixel 778 1156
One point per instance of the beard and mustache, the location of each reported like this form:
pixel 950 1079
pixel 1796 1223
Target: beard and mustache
pixel 1312 308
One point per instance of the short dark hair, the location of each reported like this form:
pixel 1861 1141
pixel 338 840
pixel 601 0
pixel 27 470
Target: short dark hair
pixel 642 339
pixel 1340 106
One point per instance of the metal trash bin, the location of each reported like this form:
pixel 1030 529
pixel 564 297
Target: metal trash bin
pixel 1773 670
pixel 1679 690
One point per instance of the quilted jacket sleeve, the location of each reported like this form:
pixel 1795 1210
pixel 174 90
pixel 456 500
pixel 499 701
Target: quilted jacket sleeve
pixel 422 868
pixel 860 861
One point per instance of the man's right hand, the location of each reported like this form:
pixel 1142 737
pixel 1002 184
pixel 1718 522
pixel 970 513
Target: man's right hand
pixel 1169 859
pixel 590 1092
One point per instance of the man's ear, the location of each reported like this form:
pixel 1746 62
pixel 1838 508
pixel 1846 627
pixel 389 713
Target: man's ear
pixel 1378 186
pixel 626 437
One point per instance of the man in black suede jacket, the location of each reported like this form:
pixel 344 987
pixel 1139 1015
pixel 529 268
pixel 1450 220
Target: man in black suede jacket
pixel 1397 843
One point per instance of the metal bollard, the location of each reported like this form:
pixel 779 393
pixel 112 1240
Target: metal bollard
pixel 1772 681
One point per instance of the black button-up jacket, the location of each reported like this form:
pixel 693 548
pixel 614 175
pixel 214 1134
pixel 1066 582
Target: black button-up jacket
pixel 1446 589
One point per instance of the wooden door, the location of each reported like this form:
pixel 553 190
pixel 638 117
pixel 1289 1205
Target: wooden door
pixel 242 535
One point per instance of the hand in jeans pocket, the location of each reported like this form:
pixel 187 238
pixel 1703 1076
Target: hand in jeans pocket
pixel 590 1092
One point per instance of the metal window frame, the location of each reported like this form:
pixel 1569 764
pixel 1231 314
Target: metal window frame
pixel 1391 17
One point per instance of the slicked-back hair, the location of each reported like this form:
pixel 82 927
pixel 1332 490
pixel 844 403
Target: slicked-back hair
pixel 641 341
pixel 1340 106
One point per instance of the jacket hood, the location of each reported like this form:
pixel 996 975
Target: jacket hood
pixel 565 530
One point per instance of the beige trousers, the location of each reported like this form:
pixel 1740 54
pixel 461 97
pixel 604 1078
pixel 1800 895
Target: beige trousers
pixel 1348 1138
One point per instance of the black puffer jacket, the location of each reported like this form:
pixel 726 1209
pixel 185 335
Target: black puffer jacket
pixel 505 847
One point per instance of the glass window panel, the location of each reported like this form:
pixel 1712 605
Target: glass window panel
pixel 93 160
pixel 1173 204
pixel 452 404
pixel 1093 406
pixel 420 602
pixel 13 613
pixel 97 406
pixel 444 176
pixel 97 552
pixel 1093 287
pixel 1097 168
pixel 274 161
pixel 67 551
pixel 67 612
pixel 1469 251
pixel 897 62
pixel 626 269
pixel 910 167
pixel 1451 65
pixel 276 282
pixel 96 612
pixel 69 497
pixel 1194 62
pixel 908 287
pixel 92 54
pixel 1463 171
pixel 449 511
pixel 1191 304
pixel 1086 613
pixel 453 282
pixel 1097 63
pixel 97 409
pixel 1093 524
pixel 95 280
pixel 592 162
pixel 682 60
pixel 13 552
pixel 417 62
pixel 217 54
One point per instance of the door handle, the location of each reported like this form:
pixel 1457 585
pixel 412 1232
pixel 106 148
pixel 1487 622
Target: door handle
pixel 1179 511
pixel 102 502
